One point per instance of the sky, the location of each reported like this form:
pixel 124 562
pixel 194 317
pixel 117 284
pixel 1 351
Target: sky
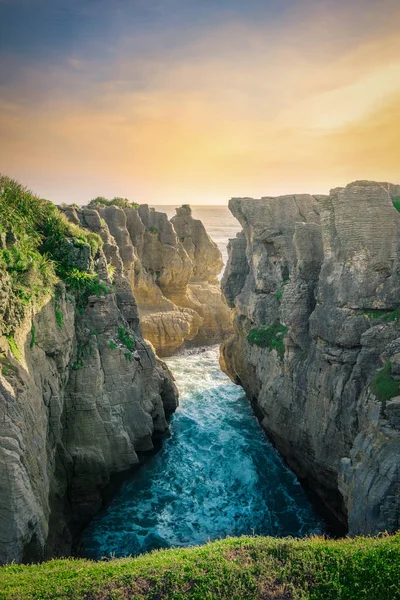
pixel 196 101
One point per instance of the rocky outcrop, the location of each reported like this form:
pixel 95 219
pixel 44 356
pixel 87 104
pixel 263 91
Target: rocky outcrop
pixel 314 284
pixel 81 394
pixel 172 268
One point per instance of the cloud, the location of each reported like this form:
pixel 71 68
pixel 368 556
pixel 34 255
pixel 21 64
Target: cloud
pixel 240 109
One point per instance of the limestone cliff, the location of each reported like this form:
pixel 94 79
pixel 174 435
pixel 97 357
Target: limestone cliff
pixel 172 267
pixel 81 393
pixel 314 282
pixel 81 390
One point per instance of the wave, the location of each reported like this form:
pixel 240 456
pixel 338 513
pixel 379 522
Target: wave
pixel 217 475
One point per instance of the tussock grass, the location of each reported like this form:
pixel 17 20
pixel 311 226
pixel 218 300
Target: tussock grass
pixel 244 568
pixel 38 248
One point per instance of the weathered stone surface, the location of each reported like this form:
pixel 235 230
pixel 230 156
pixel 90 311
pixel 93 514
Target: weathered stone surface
pixel 203 252
pixel 327 268
pixel 78 405
pixel 75 410
pixel 172 268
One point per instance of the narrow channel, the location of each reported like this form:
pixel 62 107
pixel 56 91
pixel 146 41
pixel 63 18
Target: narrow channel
pixel 216 476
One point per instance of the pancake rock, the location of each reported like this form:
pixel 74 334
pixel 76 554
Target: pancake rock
pixel 81 393
pixel 172 268
pixel 315 288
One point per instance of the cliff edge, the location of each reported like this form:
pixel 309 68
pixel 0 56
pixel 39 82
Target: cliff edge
pixel 81 392
pixel 314 282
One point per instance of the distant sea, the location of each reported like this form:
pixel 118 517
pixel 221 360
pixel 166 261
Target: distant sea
pixel 220 224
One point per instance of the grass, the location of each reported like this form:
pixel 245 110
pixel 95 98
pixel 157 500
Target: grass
pixel 279 293
pixel 83 351
pixel 39 246
pixel 59 317
pixel 126 339
pixel 245 568
pixel 271 337
pixel 15 351
pixel 384 386
pixel 388 316
pixel 396 203
pixel 120 202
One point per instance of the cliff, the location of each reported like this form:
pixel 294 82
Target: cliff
pixel 172 268
pixel 315 288
pixel 81 392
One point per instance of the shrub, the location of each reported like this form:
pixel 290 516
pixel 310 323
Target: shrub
pixel 117 201
pixel 35 234
pixel 126 339
pixel 384 386
pixel 152 230
pixel 82 352
pixel 271 337
pixel 387 316
pixel 83 283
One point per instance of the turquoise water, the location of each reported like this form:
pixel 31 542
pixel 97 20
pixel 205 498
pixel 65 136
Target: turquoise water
pixel 217 475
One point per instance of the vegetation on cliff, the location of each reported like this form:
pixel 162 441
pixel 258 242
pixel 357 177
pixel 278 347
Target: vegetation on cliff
pixel 234 568
pixel 271 337
pixel 384 386
pixel 120 202
pixel 38 248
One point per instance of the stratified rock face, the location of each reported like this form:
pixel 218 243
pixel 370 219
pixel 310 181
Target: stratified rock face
pixel 324 273
pixel 172 268
pixel 75 408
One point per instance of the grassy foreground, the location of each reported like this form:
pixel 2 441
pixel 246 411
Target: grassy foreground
pixel 234 568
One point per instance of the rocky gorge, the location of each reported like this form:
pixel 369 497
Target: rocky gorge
pixel 314 283
pixel 84 303
pixel 91 296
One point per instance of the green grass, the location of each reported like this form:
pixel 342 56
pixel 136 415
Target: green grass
pixel 39 246
pixel 152 230
pixel 387 316
pixel 59 317
pixel 15 351
pixel 120 202
pixel 126 339
pixel 231 569
pixel 270 337
pixel 384 386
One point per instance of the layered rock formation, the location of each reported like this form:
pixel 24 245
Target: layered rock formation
pixel 172 267
pixel 314 282
pixel 81 393
pixel 81 390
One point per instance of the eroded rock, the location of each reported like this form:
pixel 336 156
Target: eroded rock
pixel 326 269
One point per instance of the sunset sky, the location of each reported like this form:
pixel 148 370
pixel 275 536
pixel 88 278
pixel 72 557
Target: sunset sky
pixel 170 101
